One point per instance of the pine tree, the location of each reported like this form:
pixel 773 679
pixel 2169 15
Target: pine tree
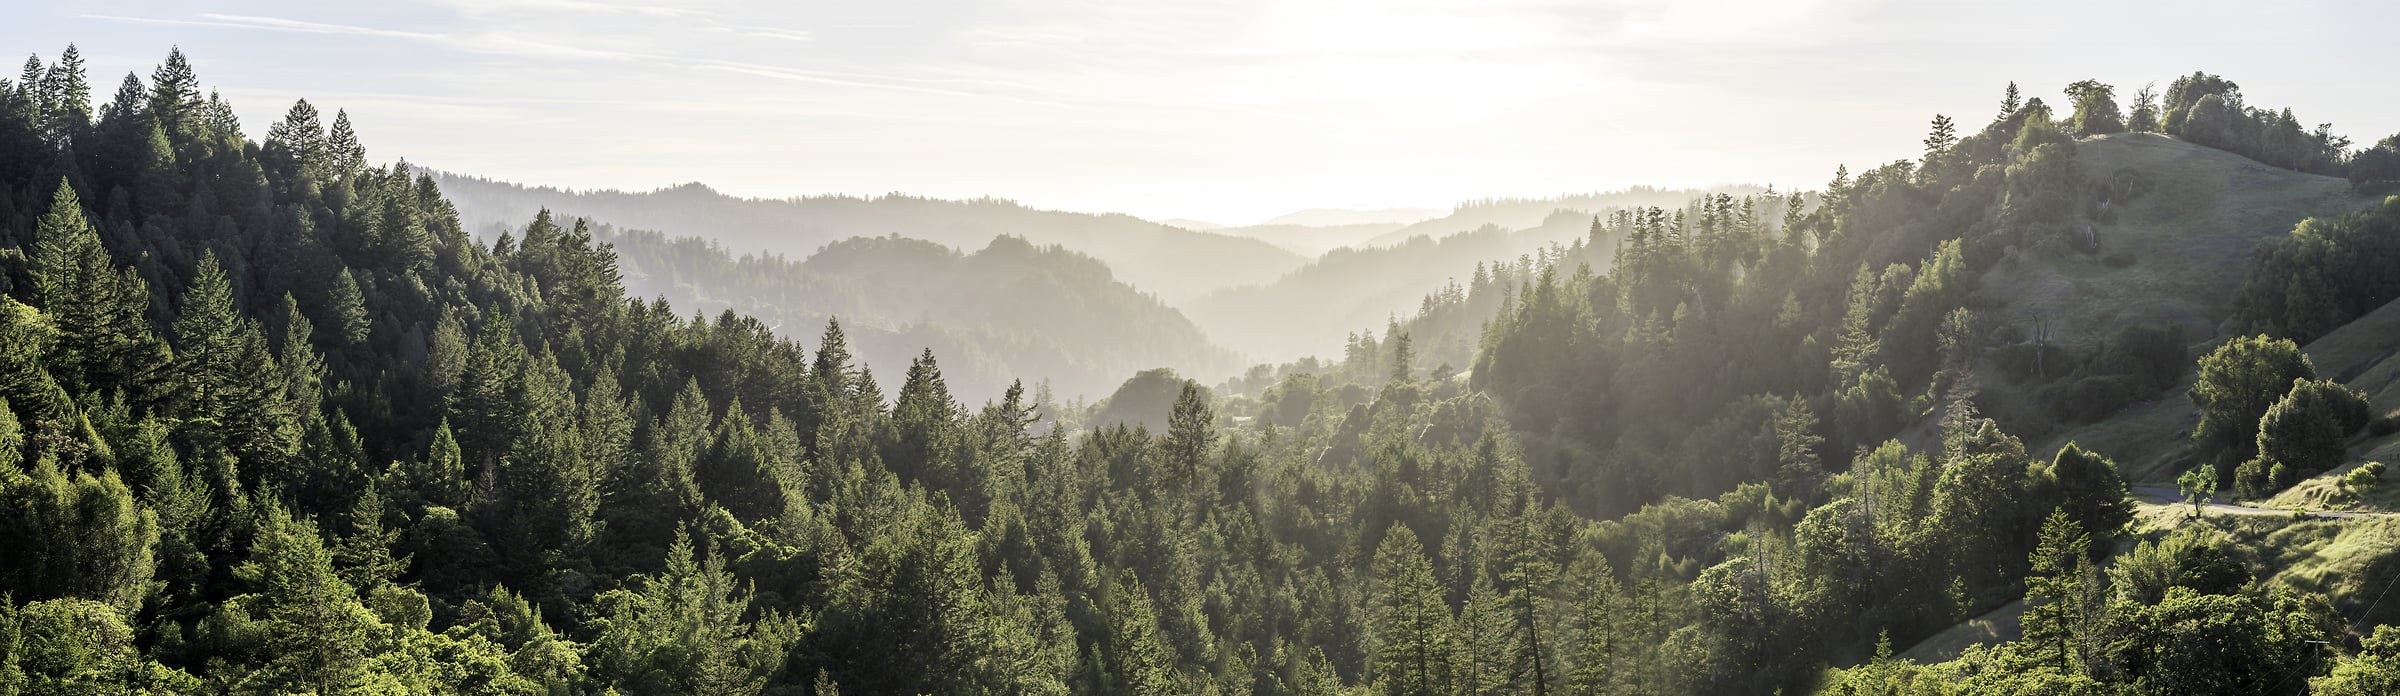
pixel 1191 433
pixel 102 313
pixel 2010 101
pixel 2053 589
pixel 1944 135
pixel 302 135
pixel 1412 636
pixel 365 555
pixel 232 393
pixel 349 309
pixel 67 107
pixel 175 96
pixel 1597 637
pixel 1134 658
pixel 1486 636
pixel 344 156
pixel 924 429
pixel 318 632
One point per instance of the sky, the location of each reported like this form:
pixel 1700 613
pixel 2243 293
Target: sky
pixel 1229 111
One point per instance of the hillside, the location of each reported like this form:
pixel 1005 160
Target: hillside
pixel 1310 240
pixel 1523 213
pixel 1171 262
pixel 1011 310
pixel 2173 255
pixel 1310 310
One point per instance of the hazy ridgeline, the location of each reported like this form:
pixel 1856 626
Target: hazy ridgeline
pixel 1009 310
pixel 1173 263
pixel 272 421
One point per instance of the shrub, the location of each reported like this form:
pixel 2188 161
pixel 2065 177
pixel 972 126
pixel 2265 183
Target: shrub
pixel 2309 428
pixel 2238 382
pixel 2363 479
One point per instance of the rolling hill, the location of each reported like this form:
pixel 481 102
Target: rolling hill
pixel 1172 262
pixel 1010 310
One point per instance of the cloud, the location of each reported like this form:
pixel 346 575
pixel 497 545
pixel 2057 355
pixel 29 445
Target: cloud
pixel 268 24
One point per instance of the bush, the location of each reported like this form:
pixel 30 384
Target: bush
pixel 2386 425
pixel 2363 479
pixel 2309 429
pixel 2238 382
pixel 2260 478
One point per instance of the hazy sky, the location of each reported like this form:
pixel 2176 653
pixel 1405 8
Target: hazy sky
pixel 1229 111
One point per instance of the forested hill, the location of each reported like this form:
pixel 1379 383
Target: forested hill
pixel 1008 311
pixel 1526 213
pixel 1172 262
pixel 273 422
pixel 1378 277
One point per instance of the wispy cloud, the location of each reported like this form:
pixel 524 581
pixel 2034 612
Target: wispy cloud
pixel 267 24
pixel 784 34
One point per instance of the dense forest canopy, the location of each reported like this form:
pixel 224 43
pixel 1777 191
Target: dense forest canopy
pixel 273 421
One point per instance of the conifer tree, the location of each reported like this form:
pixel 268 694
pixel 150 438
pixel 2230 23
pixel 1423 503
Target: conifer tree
pixel 349 309
pixel 2054 591
pixel 1191 433
pixel 319 635
pixel 101 312
pixel 67 98
pixel 232 393
pixel 175 96
pixel 344 156
pixel 1943 136
pixel 1412 626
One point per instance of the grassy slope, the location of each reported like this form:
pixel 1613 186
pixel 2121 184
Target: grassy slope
pixel 2190 235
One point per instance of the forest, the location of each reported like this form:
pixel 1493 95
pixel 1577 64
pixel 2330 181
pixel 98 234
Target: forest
pixel 274 421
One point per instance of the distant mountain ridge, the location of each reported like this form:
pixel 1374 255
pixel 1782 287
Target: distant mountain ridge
pixel 1010 310
pixel 1339 217
pixel 1172 262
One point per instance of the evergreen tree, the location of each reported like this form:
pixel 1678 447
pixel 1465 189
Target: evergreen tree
pixel 101 313
pixel 349 309
pixel 1942 138
pixel 318 634
pixel 1412 635
pixel 2053 591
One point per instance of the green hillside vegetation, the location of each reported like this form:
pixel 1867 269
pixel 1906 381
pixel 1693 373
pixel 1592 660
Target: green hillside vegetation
pixel 1174 263
pixel 272 421
pixel 1011 310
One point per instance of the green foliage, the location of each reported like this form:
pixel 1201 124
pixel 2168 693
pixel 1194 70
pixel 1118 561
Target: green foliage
pixel 2091 492
pixel 2197 485
pixel 2096 110
pixel 73 535
pixel 2374 670
pixel 2209 110
pixel 2238 382
pixel 2309 429
pixel 2378 165
pixel 2327 272
pixel 381 457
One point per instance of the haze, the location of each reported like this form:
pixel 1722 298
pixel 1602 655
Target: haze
pixel 1230 112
